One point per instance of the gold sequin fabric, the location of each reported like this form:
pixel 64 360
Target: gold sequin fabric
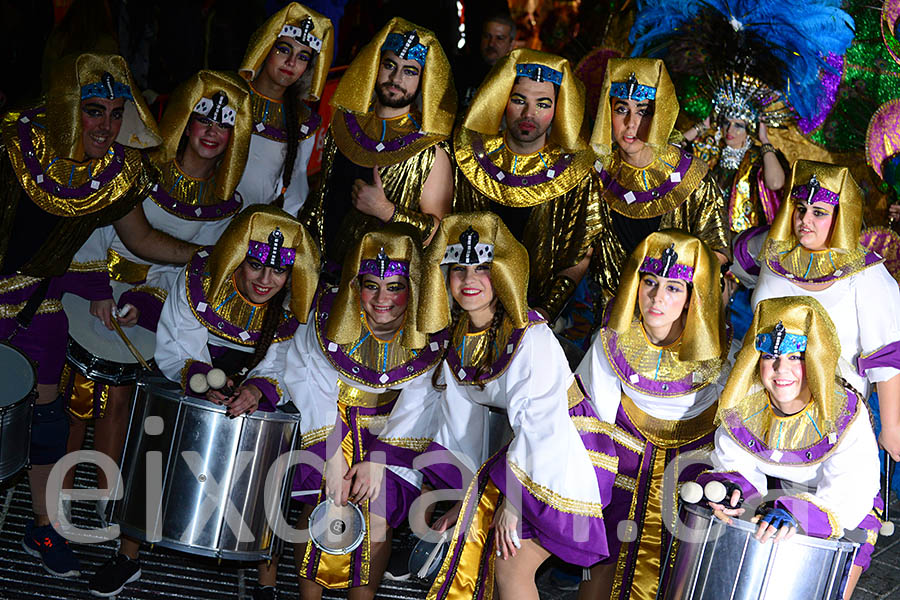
pixel 270 112
pixel 374 131
pixel 805 266
pixel 231 306
pixel 473 347
pixel 377 354
pixel 188 190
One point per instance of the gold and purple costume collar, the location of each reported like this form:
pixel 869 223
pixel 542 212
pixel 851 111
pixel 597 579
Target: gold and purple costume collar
pixel 468 348
pixel 189 198
pixel 269 118
pixel 370 141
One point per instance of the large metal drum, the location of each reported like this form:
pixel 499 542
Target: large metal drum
pixel 18 391
pixel 212 471
pixel 716 561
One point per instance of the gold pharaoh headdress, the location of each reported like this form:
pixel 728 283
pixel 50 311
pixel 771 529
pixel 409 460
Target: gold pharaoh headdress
pixel 640 78
pixel 508 258
pixel 305 25
pixel 486 111
pixel 354 91
pixel 798 316
pixel 398 243
pixel 206 92
pixel 704 332
pixel 257 224
pixel 77 77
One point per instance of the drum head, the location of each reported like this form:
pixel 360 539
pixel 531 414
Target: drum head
pixel 429 555
pixel 336 529
pixel 17 376
pixel 103 343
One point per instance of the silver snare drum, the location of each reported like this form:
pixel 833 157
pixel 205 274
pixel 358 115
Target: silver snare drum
pixel 336 529
pixel 725 562
pixel 18 382
pixel 212 471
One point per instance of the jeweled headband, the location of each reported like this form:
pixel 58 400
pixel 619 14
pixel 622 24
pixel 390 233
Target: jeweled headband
pixel 303 34
pixel 780 342
pixel 667 266
pixel 273 254
pixel 539 73
pixel 814 192
pixel 216 109
pixel 406 46
pixel 632 90
pixel 107 88
pixel 382 266
pixel 469 251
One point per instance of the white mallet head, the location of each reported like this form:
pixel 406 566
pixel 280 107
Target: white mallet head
pixel 691 492
pixel 887 529
pixel 715 491
pixel 198 383
pixel 217 379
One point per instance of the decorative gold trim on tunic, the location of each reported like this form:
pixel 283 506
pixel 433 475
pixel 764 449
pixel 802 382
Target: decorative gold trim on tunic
pixel 553 499
pixel 158 293
pixel 664 433
pixel 604 461
pixel 415 444
pixel 90 266
pixel 625 482
pixel 315 436
pixel 16 283
pixel 353 396
pixel 125 270
pixel 9 311
pixel 379 129
pixel 618 435
pixel 836 529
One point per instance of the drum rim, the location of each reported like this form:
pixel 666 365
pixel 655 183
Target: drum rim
pixel 147 382
pixel 437 559
pixel 76 304
pixel 132 364
pixel 32 393
pixel 748 527
pixel 346 549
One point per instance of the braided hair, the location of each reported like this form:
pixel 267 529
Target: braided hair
pixel 487 359
pixel 293 101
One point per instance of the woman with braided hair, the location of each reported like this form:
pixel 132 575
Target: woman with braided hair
pixel 286 64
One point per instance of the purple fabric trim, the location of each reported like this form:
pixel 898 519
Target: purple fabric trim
pixel 801 456
pixel 398 457
pixel 209 317
pixel 397 497
pixel 886 356
pixel 741 251
pixel 280 135
pixel 801 192
pixel 45 182
pixel 871 259
pixel 748 491
pixel 196 212
pixel 195 367
pixel 511 179
pixel 676 271
pixel 870 523
pixel 812 519
pixel 596 442
pixel 394 267
pixel 90 285
pixel 371 145
pixel 446 475
pixel 149 306
pixel 654 387
pixel 270 394
pixel 467 374
pixel 426 357
pixel 261 251
pixel 641 197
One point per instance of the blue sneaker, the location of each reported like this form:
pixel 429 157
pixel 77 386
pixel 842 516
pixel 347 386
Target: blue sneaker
pixel 53 550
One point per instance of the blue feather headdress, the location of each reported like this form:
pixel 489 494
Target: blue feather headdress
pixel 774 44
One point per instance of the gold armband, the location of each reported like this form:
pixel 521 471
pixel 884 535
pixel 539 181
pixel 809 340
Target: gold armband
pixel 561 290
pixel 422 222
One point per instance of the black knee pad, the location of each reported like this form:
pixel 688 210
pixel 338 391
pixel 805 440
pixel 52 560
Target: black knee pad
pixel 49 432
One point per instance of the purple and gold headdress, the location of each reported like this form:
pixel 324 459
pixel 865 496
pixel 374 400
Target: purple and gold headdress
pixel 382 266
pixel 667 266
pixel 812 191
pixel 272 254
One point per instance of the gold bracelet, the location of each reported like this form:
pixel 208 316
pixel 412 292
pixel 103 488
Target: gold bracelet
pixel 422 222
pixel 766 148
pixel 561 290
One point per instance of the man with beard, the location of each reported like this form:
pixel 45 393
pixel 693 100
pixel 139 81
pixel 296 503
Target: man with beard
pixel 386 159
pixel 497 37
pixel 536 174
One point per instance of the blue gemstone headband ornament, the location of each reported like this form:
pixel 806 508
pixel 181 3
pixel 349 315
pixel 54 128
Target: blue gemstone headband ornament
pixel 539 73
pixel 107 88
pixel 406 46
pixel 780 341
pixel 469 251
pixel 667 266
pixel 216 109
pixel 814 192
pixel 303 34
pixel 630 89
pixel 382 266
pixel 273 254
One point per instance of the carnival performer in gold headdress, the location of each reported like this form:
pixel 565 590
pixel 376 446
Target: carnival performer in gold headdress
pixel 654 373
pixel 286 64
pixel 206 131
pixel 67 167
pixel 786 414
pixel 230 304
pixel 648 183
pixel 536 173
pixel 369 340
pixel 384 159
pixel 813 250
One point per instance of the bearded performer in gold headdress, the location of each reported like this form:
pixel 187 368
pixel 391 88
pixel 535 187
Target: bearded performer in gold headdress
pixel 648 183
pixel 384 159
pixel 537 173
pixel 67 167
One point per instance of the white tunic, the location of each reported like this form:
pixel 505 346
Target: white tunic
pixel 261 182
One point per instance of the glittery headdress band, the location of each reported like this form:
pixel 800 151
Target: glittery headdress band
pixel 303 34
pixel 216 109
pixel 539 73
pixel 273 254
pixel 632 90
pixel 814 192
pixel 406 46
pixel 667 266
pixel 107 88
pixel 469 251
pixel 382 266
pixel 780 341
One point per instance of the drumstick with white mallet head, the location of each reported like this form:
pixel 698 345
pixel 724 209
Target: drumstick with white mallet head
pixel 215 379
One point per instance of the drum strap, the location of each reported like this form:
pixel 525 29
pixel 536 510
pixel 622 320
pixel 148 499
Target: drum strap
pixel 31 306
